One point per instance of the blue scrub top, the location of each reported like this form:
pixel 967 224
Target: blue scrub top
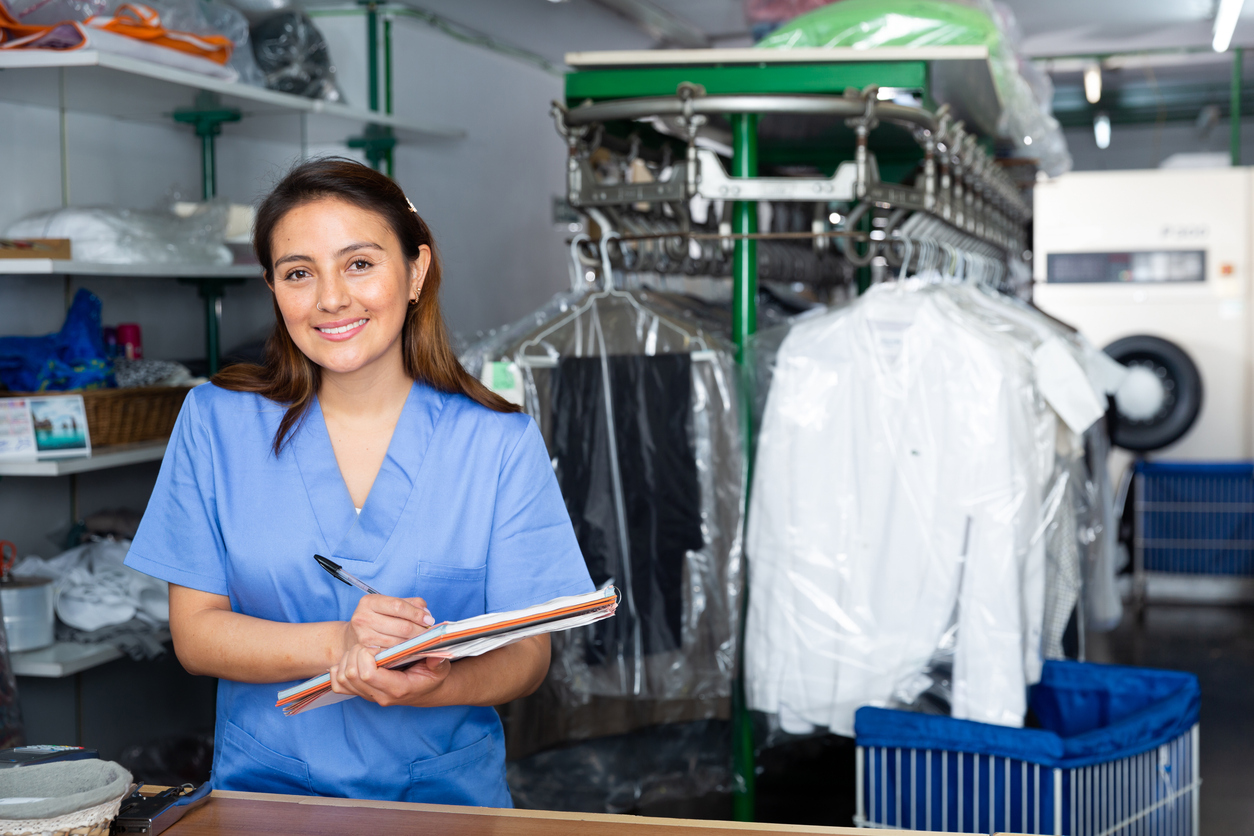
pixel 465 512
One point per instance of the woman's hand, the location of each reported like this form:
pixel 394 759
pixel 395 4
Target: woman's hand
pixel 382 621
pixel 358 675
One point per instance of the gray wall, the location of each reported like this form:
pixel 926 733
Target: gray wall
pixel 1145 146
pixel 487 198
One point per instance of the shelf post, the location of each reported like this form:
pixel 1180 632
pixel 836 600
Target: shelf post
pixel 212 291
pixel 207 116
pixel 744 322
pixel 377 140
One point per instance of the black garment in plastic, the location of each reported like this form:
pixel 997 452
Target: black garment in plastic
pixel 294 57
pixel 625 773
pixel 647 416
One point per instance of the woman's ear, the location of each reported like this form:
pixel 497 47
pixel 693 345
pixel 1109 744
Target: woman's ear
pixel 418 272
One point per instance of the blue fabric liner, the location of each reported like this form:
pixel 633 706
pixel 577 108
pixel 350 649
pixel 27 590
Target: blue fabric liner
pixel 1196 468
pixel 72 358
pixel 1090 713
pixel 1194 521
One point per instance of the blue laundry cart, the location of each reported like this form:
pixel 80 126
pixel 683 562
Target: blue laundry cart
pixel 1117 756
pixel 1194 532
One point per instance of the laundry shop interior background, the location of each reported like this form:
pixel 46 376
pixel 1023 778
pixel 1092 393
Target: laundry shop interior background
pixel 1128 218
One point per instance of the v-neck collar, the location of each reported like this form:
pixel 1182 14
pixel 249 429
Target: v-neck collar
pixel 346 534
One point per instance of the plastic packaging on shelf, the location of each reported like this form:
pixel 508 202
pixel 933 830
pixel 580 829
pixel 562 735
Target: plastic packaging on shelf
pixel 49 12
pixel 639 407
pixel 865 24
pixel 135 31
pixel 919 510
pixel 110 235
pixel 293 55
pixel 207 17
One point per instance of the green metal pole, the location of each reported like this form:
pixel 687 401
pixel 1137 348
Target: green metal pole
pixel 208 171
pixel 372 53
pixel 1234 106
pixel 744 323
pixel 387 83
pixel 387 65
pixel 744 222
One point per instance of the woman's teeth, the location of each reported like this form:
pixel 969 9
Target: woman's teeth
pixel 342 328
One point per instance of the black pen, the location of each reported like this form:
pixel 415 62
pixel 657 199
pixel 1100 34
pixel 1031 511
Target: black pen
pixel 337 571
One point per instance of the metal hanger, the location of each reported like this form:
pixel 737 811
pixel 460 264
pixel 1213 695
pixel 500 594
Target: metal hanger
pixel 588 307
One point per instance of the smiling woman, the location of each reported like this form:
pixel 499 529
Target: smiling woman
pixel 360 404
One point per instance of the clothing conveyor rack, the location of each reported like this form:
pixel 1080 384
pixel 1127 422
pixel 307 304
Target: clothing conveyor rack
pixel 647 134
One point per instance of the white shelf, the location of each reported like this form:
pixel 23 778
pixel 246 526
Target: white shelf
pixel 67 658
pixel 131 89
pixel 115 455
pixel 59 267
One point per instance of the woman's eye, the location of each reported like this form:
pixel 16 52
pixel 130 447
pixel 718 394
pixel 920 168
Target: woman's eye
pixel 298 273
pixel 360 264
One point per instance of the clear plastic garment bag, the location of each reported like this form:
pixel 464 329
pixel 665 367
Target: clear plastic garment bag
pixel 640 409
pixel 919 509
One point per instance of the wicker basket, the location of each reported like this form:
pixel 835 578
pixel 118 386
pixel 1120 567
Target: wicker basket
pixel 127 416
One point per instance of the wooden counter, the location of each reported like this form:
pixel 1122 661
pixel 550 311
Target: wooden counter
pixel 289 815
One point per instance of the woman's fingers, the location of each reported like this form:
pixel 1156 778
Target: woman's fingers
pixel 358 675
pixel 384 621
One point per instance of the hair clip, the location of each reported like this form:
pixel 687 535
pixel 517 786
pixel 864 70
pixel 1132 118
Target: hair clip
pixel 411 206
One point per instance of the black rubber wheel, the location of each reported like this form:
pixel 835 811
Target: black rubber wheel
pixel 1182 384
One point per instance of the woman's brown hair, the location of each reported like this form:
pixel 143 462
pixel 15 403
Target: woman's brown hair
pixel 289 377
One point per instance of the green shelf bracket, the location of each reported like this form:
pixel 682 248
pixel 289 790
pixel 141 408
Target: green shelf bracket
pixel 207 116
pixel 211 290
pixel 377 141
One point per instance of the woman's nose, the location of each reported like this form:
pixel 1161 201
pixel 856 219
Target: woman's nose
pixel 332 295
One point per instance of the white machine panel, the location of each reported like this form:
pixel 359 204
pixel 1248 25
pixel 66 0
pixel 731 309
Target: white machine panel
pixel 1146 231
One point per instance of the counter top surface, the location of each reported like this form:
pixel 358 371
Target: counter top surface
pixel 240 812
pixel 281 815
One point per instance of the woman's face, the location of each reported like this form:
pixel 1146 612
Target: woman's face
pixel 343 284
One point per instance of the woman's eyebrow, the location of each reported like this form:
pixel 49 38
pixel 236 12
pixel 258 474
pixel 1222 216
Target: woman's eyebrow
pixel 360 245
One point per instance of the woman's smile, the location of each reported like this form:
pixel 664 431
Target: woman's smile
pixel 343 329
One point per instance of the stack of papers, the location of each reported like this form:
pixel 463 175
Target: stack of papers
pixel 469 637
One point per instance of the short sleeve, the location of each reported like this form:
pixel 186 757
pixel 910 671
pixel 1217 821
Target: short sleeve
pixel 179 539
pixel 533 556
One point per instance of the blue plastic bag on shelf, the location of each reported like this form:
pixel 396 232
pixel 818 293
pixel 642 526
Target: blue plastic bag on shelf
pixel 72 358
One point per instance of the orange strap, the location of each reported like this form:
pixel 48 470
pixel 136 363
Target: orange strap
pixel 141 22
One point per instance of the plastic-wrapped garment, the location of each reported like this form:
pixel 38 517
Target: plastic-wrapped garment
pixel 866 24
pixel 135 30
pixel 1058 451
pixel 206 17
pixel 49 12
pixel 641 414
pixel 1103 607
pixel 109 235
pixel 890 506
pixel 623 773
pixel 72 358
pixel 199 17
pixel 293 55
